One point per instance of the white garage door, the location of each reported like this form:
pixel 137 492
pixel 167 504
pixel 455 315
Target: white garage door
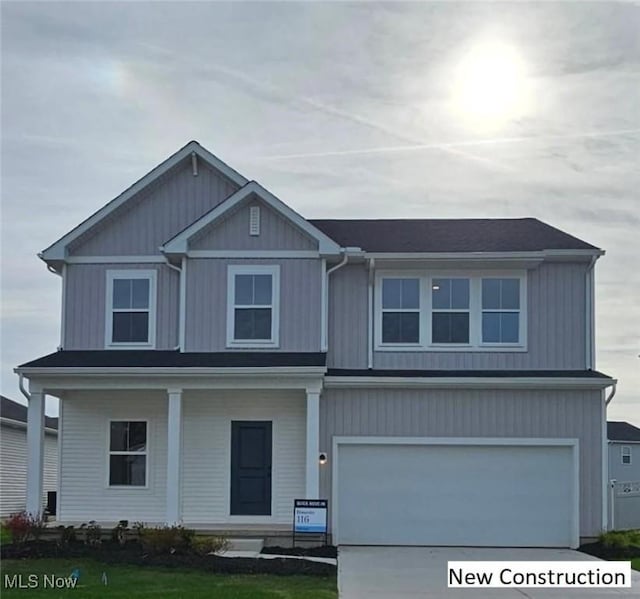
pixel 445 493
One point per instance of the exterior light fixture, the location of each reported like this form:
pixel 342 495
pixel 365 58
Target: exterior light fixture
pixel 322 458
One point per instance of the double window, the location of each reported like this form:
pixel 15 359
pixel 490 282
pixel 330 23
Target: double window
pixel 253 306
pixel 626 455
pixel 128 453
pixel 130 308
pixel 450 311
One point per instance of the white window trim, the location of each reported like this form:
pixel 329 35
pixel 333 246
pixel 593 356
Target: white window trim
pixel 475 311
pixel 624 454
pixel 151 276
pixel 146 453
pixel 248 269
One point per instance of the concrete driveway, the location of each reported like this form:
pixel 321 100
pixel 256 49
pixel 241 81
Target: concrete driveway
pixel 420 572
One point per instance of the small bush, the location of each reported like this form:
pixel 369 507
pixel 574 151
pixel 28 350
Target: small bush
pixel 620 539
pixel 166 539
pixel 207 545
pixel 119 533
pixel 67 535
pixel 92 533
pixel 23 526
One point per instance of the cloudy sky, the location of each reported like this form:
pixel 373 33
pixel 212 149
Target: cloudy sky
pixel 351 110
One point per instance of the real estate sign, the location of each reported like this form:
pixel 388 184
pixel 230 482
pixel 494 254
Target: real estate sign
pixel 310 515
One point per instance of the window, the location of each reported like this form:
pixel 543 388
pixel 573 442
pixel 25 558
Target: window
pixel 400 310
pixel 450 310
pixel 252 318
pixel 127 453
pixel 500 310
pixel 626 455
pixel 130 308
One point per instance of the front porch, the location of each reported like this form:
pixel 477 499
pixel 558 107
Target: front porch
pixel 182 471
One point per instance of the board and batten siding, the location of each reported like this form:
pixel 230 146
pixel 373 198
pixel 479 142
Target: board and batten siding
pixel 84 491
pixel 157 213
pixel 300 304
pixel 555 330
pixel 574 414
pixel 232 232
pixel 207 452
pixel 86 294
pixel 13 468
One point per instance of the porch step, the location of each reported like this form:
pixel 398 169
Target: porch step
pixel 246 544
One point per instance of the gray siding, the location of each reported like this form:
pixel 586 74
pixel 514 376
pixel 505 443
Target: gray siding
pixel 556 326
pixel 474 413
pixel 206 309
pixel 232 233
pixel 86 289
pixel 160 211
pixel 624 472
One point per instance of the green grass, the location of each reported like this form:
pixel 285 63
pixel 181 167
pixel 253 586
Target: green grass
pixel 635 563
pixel 5 536
pixel 130 582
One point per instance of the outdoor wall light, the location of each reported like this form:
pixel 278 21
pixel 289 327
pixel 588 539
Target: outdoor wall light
pixel 322 458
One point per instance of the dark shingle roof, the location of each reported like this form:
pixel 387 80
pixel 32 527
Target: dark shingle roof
pixel 622 431
pixel 450 235
pixel 174 359
pixel 15 411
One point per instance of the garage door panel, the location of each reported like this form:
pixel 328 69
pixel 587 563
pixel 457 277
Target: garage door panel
pixel 455 495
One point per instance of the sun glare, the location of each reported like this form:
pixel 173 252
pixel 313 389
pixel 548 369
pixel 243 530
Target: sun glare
pixel 490 86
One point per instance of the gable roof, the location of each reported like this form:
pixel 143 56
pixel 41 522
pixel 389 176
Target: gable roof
pixel 180 242
pixel 622 431
pixel 57 251
pixel 12 410
pixel 450 235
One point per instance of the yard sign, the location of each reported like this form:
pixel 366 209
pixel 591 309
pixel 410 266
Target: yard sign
pixel 310 516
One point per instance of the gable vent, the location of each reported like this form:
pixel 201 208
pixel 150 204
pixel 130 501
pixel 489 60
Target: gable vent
pixel 254 220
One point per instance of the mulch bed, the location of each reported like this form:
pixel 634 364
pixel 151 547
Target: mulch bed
pixel 324 551
pixel 597 549
pixel 132 554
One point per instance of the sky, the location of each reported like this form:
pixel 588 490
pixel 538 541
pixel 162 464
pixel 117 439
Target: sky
pixel 340 109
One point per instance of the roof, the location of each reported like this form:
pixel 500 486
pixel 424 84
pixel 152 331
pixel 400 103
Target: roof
pixel 450 235
pixel 586 374
pixel 12 410
pixel 174 359
pixel 622 431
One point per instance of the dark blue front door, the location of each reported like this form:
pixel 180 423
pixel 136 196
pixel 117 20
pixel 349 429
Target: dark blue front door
pixel 251 468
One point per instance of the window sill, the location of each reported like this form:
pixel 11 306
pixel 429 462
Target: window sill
pixel 252 344
pixel 130 346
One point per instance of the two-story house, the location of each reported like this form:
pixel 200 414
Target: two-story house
pixel 215 343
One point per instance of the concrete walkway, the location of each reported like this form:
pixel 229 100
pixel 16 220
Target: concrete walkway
pixel 420 573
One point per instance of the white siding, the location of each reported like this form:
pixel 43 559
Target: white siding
pixel 85 494
pixel 13 468
pixel 207 452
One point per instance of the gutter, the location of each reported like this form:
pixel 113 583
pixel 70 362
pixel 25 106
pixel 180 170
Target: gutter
pixel 181 300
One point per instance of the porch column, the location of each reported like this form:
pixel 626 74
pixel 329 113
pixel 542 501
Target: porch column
pixel 312 489
pixel 35 451
pixel 174 455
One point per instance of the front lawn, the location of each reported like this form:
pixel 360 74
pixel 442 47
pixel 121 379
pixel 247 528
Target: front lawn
pixel 635 563
pixel 132 582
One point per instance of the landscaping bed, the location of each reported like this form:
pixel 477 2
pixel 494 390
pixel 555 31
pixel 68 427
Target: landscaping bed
pixel 323 551
pixel 616 545
pixel 132 553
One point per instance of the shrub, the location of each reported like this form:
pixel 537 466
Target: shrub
pixel 22 526
pixel 119 533
pixel 207 545
pixel 621 539
pixel 166 539
pixel 67 535
pixel 92 533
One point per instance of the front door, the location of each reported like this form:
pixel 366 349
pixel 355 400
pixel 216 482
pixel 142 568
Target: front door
pixel 250 468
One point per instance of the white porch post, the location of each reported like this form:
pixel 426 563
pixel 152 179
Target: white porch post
pixel 35 451
pixel 174 457
pixel 312 488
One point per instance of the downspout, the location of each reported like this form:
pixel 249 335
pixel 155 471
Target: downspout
pixel 21 387
pixel 179 347
pixel 372 264
pixel 589 315
pixel 607 485
pixel 343 262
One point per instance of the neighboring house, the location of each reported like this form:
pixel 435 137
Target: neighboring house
pixel 624 451
pixel 13 457
pixel 215 342
pixel 624 475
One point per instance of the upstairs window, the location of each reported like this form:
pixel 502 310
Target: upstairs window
pixel 130 308
pixel 500 310
pixel 626 455
pixel 128 453
pixel 450 311
pixel 252 317
pixel 400 311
